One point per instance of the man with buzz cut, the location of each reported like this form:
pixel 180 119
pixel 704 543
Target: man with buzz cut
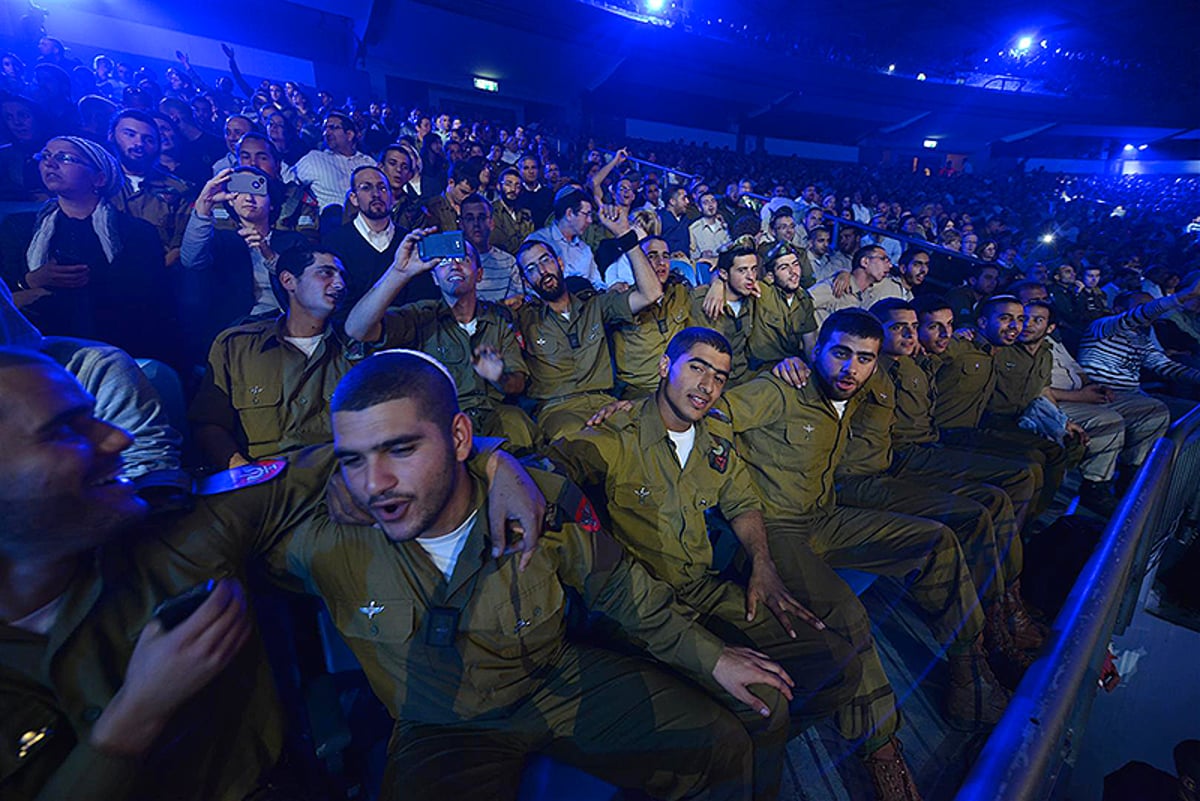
pixel 793 440
pixel 981 515
pixel 727 304
pixel 665 464
pixel 566 344
pixel 468 651
pixel 982 388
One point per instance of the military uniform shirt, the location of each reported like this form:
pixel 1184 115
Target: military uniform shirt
pixel 266 392
pixel 512 625
pixel 1021 377
pixel 639 345
pixel 657 507
pixel 162 200
pixel 916 397
pixel 869 449
pixel 734 327
pixel 429 326
pixel 779 327
pixel 792 440
pixel 54 688
pixel 965 375
pixel 567 357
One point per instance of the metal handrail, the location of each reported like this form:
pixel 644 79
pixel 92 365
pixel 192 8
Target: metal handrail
pixel 1180 504
pixel 656 167
pixel 1033 740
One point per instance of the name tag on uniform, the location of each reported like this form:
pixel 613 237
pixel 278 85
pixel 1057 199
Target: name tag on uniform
pixel 573 338
pixel 662 326
pixel 441 627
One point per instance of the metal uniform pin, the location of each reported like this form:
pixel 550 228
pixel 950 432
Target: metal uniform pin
pixel 522 623
pixel 539 342
pixel 254 393
pixel 371 609
pixel 642 494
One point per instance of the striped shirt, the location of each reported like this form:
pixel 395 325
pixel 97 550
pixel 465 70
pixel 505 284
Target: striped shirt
pixel 1116 349
pixel 499 277
pixel 328 174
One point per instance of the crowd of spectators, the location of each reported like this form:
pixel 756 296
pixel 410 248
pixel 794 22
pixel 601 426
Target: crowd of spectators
pixel 258 241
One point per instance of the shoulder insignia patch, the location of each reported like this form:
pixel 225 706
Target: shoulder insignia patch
pixel 572 506
pixel 718 454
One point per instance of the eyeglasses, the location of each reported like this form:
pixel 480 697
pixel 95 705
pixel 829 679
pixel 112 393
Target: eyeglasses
pixel 63 157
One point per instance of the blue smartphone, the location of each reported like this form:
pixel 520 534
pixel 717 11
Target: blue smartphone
pixel 449 245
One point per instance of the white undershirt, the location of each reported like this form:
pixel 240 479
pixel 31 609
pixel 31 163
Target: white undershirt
pixel 470 327
pixel 683 442
pixel 306 344
pixel 445 550
pixel 840 408
pixel 736 305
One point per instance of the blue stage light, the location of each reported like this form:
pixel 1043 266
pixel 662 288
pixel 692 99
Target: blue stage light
pixel 655 6
pixel 1025 42
pixel 1129 147
pixel 1143 147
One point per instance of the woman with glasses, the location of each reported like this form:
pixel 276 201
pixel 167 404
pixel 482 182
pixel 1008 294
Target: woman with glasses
pixel 78 267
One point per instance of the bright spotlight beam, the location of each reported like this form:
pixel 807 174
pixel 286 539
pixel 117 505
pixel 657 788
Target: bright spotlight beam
pixel 1025 42
pixel 655 6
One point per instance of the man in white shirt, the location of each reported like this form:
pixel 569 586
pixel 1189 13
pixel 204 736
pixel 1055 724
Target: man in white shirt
pixel 709 233
pixel 573 213
pixel 871 267
pixel 327 172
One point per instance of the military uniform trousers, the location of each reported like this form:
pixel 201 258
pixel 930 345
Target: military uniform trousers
pixel 823 664
pixel 618 717
pixel 505 420
pixel 837 671
pixel 971 511
pixel 1020 480
pixel 1124 429
pixel 923 552
pixel 1005 439
pixel 569 414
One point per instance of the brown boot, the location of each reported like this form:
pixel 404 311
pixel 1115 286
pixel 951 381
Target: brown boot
pixel 1007 660
pixel 1027 633
pixel 975 698
pixel 890 775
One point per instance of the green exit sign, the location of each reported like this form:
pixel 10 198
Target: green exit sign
pixel 486 85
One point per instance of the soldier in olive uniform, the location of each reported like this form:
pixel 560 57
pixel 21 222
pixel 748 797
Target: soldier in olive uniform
pixel 566 346
pixel 727 305
pixel 468 653
pixel 793 440
pixel 267 387
pixel 916 442
pixel 150 193
pixel 514 223
pixel 785 324
pixel 980 515
pixel 474 339
pixel 966 375
pixel 918 457
pixel 639 344
pixel 666 463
